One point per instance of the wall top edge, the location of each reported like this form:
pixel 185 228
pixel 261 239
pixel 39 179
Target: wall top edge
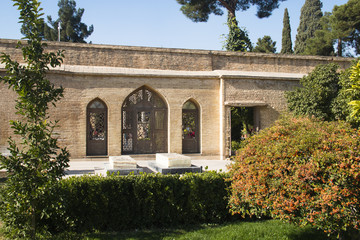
pixel 180 50
pixel 245 103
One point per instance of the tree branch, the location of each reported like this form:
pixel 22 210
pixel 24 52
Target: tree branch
pixel 230 8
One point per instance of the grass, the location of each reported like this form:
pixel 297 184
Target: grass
pixel 259 230
pixel 264 230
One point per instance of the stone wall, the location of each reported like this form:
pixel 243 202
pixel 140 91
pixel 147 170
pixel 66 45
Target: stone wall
pixel 215 80
pixel 178 59
pixel 82 88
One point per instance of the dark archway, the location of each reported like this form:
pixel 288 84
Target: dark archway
pixel 96 128
pixel 144 123
pixel 190 128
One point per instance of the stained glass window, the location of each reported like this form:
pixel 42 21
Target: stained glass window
pixel 97 104
pixel 189 105
pixel 143 125
pixel 97 126
pixel 189 125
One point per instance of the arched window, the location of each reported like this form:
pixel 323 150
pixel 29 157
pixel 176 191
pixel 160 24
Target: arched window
pixel 190 128
pixel 144 123
pixel 96 137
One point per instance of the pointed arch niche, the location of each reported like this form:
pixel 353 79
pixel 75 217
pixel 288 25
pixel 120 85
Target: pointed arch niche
pixel 96 128
pixel 144 123
pixel 190 127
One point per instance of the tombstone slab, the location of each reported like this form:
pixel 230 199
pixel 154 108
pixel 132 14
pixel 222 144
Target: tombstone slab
pixel 120 165
pixel 122 162
pixel 172 160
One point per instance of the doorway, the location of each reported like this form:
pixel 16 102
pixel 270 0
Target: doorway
pixel 96 137
pixel 242 126
pixel 144 123
pixel 190 128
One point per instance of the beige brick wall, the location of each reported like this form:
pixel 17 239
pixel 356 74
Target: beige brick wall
pixel 7 113
pixel 113 90
pixel 270 93
pixel 111 73
pixel 178 59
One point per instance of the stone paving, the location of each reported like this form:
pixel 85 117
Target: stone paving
pixel 85 166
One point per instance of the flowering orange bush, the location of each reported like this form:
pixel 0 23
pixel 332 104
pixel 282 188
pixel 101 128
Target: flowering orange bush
pixel 301 170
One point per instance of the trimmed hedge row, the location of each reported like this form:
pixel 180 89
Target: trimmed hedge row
pixel 149 200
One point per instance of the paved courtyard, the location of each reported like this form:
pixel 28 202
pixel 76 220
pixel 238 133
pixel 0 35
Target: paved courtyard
pixel 88 166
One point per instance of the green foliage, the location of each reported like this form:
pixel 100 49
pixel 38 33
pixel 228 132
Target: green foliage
pixel 199 10
pixel 345 25
pixel 117 203
pixel 341 26
pixel 237 40
pixel 317 94
pixel 286 43
pixel 265 45
pixel 355 88
pixel 36 162
pixel 301 170
pixel 340 106
pixel 239 230
pixel 242 122
pixel 322 42
pixel 72 29
pixel 309 23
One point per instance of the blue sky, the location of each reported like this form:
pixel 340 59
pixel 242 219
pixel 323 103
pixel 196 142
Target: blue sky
pixel 160 23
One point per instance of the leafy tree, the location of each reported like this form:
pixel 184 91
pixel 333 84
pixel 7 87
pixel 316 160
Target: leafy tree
pixel 309 22
pixel 36 162
pixel 340 27
pixel 355 88
pixel 340 106
pixel 237 40
pixel 301 170
pixel 265 45
pixel 322 43
pixel 72 29
pixel 199 10
pixel 345 26
pixel 317 94
pixel 286 43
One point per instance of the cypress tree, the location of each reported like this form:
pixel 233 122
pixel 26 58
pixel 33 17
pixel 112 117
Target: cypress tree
pixel 72 29
pixel 309 22
pixel 286 44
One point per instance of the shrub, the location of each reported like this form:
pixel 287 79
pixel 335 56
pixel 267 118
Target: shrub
pixel 149 200
pixel 301 170
pixel 317 93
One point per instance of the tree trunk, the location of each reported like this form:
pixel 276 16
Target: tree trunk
pixel 339 48
pixel 231 7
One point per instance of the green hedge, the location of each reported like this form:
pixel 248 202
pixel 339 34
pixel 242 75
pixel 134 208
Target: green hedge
pixel 149 200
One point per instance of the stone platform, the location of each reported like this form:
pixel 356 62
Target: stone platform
pixel 173 163
pixel 175 170
pixel 120 165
